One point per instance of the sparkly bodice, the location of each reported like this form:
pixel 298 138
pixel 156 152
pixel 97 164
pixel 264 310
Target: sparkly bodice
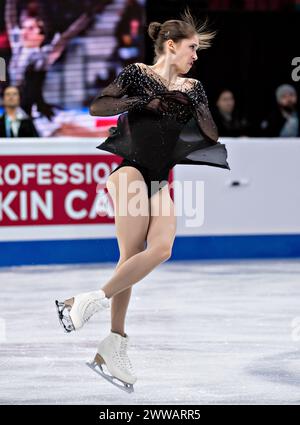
pixel 155 85
pixel 165 137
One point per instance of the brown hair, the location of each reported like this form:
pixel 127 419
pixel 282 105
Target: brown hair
pixel 177 30
pixel 9 86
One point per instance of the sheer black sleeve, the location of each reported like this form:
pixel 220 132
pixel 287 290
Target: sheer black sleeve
pixel 202 112
pixel 118 97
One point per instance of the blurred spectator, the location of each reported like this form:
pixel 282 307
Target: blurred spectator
pixel 32 9
pixel 227 119
pixel 284 120
pixel 129 33
pixel 15 122
pixel 31 58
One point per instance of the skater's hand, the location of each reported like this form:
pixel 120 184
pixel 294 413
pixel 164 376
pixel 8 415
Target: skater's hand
pixel 178 97
pixel 156 105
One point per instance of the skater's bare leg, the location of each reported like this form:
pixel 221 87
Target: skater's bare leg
pixel 120 301
pixel 131 232
pixel 160 238
pixel 160 234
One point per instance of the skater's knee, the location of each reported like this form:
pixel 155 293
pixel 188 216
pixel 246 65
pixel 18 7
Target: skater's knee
pixel 126 253
pixel 163 250
pixel 166 253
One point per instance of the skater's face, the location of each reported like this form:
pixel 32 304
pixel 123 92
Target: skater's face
pixel 288 99
pixel 11 97
pixel 185 53
pixel 226 102
pixel 31 33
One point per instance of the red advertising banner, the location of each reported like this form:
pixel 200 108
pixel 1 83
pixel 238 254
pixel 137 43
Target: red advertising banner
pixel 55 189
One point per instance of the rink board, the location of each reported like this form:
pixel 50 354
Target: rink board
pixel 53 208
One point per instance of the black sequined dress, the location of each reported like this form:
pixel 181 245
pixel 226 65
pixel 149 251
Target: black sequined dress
pixel 155 141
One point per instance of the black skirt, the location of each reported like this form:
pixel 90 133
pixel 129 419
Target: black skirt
pixel 156 144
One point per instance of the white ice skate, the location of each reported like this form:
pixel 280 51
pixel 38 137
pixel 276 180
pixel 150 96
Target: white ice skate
pixel 112 351
pixel 85 305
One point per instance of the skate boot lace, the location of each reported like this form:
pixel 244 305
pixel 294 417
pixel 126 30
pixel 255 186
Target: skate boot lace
pixel 125 358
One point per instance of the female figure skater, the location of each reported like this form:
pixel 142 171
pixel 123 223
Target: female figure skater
pixel 165 121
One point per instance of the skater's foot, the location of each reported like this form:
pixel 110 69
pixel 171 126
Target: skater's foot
pixel 112 352
pixel 74 312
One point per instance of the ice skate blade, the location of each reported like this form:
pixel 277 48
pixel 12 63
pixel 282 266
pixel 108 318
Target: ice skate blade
pixel 61 308
pixel 96 367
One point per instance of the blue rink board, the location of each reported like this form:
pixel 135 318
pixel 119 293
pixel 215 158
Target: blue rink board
pixel 185 248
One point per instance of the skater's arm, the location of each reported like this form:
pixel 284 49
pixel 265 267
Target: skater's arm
pixel 202 112
pixel 60 42
pixel 115 98
pixel 10 14
pixel 76 27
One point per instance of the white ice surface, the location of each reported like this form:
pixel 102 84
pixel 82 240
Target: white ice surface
pixel 201 333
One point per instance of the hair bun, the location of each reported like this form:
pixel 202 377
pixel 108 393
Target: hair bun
pixel 154 29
